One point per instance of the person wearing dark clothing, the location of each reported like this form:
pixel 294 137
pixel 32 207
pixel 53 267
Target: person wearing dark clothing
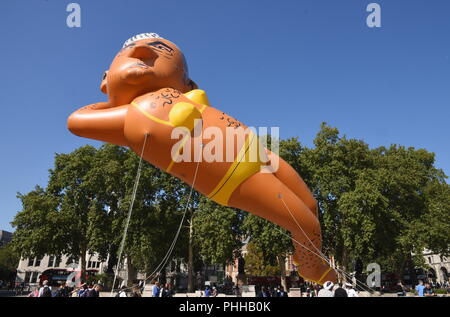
pixel 273 292
pixel 340 292
pixel 167 291
pixel 428 290
pixel 62 291
pixel 400 290
pixel 264 292
pixel 207 291
pixel 94 292
pixel 282 293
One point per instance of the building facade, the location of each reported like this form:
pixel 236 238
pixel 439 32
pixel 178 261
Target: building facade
pixel 5 237
pixel 31 270
pixel 439 267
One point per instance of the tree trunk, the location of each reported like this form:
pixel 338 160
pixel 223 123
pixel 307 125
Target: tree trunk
pixel 82 265
pixel 112 259
pixel 345 261
pixel 131 272
pixel 190 260
pixel 412 271
pixel 282 264
pixel 400 268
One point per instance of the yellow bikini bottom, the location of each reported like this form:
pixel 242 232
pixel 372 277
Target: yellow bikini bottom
pixel 247 163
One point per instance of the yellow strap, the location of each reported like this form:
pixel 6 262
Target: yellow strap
pixel 148 115
pixel 196 95
pixel 324 275
pixel 241 169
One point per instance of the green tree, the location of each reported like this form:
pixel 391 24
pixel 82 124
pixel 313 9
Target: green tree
pixel 256 264
pixel 217 233
pixel 271 242
pixel 374 204
pixel 38 225
pixel 84 207
pixel 9 260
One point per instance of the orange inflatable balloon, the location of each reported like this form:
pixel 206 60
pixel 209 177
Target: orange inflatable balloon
pixel 150 95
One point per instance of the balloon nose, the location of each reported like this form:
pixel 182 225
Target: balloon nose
pixel 142 52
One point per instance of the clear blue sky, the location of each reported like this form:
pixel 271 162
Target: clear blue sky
pixel 291 64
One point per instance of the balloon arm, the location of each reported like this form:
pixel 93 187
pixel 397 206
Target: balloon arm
pixel 100 122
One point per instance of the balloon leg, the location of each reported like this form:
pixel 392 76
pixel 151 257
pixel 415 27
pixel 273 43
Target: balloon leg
pixel 266 196
pixel 289 177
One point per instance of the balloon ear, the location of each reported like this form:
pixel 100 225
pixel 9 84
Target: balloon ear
pixel 103 84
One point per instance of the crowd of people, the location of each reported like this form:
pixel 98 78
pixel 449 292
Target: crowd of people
pixel 165 290
pixel 328 289
pixel 85 290
pixel 272 292
pixel 426 289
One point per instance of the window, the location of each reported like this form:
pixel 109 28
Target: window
pixel 51 261
pixel 27 277
pixel 30 261
pixel 98 265
pixel 34 277
pixel 89 264
pixel 37 262
pixel 57 261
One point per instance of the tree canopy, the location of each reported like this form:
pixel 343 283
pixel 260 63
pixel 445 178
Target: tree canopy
pixel 381 205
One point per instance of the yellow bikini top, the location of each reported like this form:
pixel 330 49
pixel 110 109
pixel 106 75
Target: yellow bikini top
pixel 184 114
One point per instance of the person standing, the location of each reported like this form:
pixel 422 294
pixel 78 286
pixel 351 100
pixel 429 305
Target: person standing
pixel 83 290
pixel 87 291
pixel 207 291
pixel 428 290
pixel 156 289
pixel 34 293
pixel 327 290
pixel 166 290
pixel 62 291
pixel 264 292
pixel 420 288
pixel 316 289
pixel 340 292
pixel 400 290
pixel 281 292
pixel 45 290
pixel 351 292
pixel 122 292
pixel 94 291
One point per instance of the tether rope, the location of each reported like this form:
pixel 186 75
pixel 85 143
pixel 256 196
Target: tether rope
pixel 166 258
pixel 130 209
pixel 320 255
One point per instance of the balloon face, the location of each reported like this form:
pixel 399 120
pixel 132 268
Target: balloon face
pixel 145 66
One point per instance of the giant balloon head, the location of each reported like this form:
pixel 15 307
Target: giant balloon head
pixel 146 63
